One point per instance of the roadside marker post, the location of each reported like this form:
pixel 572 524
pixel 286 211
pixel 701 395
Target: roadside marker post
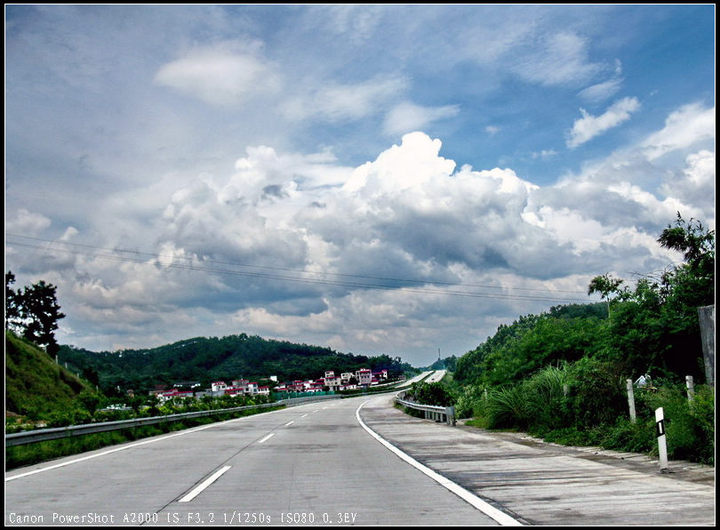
pixel 662 440
pixel 631 399
pixel 690 387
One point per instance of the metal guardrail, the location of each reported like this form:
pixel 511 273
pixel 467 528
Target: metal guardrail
pixel 432 412
pixel 55 433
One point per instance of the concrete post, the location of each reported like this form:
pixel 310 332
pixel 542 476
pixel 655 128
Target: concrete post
pixel 690 387
pixel 631 399
pixel 662 440
pixel 707 335
pixel 450 415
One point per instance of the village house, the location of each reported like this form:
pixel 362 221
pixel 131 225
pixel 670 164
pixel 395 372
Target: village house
pixel 364 376
pixel 218 386
pixel 170 394
pixel 333 382
pixel 243 387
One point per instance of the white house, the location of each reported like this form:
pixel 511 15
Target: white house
pixel 333 383
pixel 217 386
pixel 364 376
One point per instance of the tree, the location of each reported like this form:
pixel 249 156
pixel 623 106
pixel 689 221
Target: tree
pixel 89 401
pixel 693 282
pixel 33 312
pixel 655 325
pixel 694 241
pixel 605 285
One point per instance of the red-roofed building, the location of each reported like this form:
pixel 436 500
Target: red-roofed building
pixel 218 385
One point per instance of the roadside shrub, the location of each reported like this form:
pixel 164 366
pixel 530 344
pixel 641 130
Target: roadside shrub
pixel 624 435
pixel 508 407
pixel 62 418
pixel 431 394
pixel 547 404
pixel 470 402
pixel 689 426
pixel 702 409
pixel 596 393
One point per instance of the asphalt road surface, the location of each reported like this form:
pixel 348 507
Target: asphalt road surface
pixel 307 465
pixel 355 461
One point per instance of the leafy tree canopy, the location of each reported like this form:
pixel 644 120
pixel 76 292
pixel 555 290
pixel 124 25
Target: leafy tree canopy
pixel 34 312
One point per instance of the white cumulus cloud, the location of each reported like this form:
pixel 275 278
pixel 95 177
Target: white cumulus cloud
pixel 589 126
pixel 684 127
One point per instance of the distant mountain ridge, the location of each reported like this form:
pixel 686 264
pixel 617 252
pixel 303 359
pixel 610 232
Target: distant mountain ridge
pixel 206 359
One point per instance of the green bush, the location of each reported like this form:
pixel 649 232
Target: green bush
pixel 470 402
pixel 597 393
pixel 624 435
pixel 689 425
pixel 702 409
pixel 566 436
pixel 508 407
pixel 431 394
pixel 547 402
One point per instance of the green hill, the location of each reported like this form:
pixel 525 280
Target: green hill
pixel 34 384
pixel 206 359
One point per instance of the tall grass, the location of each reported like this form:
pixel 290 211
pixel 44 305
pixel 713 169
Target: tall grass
pixel 508 407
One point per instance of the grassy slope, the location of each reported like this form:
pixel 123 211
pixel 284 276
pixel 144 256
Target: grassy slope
pixel 34 384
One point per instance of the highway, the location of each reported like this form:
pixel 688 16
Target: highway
pixel 311 464
pixel 356 461
pixel 436 376
pixel 415 379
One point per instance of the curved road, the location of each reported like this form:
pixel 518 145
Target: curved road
pixel 311 464
pixel 331 463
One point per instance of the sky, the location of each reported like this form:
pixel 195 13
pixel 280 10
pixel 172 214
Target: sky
pixel 378 179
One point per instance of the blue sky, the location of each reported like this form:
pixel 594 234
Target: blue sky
pixel 378 179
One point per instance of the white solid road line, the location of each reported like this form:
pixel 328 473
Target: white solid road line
pixel 474 500
pixel 212 478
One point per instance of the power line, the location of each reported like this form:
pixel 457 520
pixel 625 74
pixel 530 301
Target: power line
pixel 268 267
pixel 345 280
